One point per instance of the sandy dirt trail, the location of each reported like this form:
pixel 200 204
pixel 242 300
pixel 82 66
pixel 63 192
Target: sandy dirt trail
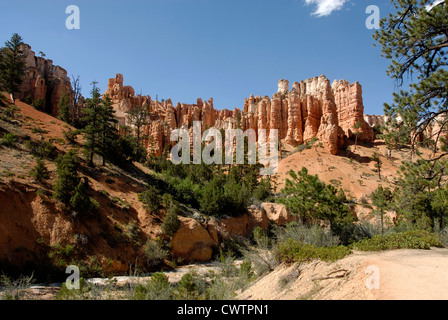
pixel 412 274
pixel 401 275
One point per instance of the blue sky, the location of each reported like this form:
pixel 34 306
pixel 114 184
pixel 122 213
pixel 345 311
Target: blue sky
pixel 225 49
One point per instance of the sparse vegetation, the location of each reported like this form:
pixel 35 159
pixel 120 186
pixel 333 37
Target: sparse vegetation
pixel 8 140
pixel 296 251
pixel 156 253
pixel 416 239
pixel 39 104
pixel 40 171
pixel 14 289
pixel 171 222
pixel 150 198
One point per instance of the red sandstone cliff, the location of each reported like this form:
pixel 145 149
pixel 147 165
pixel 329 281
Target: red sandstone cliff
pixel 43 80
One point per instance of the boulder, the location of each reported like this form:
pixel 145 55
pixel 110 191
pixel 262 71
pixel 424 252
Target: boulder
pixel 192 241
pixel 277 213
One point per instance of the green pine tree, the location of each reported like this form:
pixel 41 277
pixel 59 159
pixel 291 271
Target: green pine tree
pixel 64 108
pixel 12 65
pixel 68 180
pixel 378 163
pixel 108 134
pixel 415 39
pixel 213 200
pixel 439 205
pixel 80 200
pixel 138 117
pixel 171 222
pixel 92 129
pixel 311 200
pixel 40 171
pixel 382 200
pixel 420 185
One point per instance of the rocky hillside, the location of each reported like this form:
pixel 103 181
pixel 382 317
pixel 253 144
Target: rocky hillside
pixel 39 234
pixel 34 226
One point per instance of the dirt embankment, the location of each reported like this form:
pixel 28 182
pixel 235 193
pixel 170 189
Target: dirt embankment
pixel 390 275
pixel 32 224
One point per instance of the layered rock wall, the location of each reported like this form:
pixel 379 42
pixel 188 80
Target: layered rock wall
pixel 314 108
pixel 43 80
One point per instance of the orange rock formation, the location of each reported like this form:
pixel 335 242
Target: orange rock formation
pixel 314 108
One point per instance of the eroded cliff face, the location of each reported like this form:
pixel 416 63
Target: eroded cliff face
pixel 375 120
pixel 313 108
pixel 43 80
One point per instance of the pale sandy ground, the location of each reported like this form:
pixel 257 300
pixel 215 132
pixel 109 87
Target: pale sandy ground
pixel 403 275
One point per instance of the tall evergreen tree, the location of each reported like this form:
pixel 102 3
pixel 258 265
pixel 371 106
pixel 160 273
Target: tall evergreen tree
pixel 439 205
pixel 420 187
pixel 138 117
pixel 415 39
pixel 64 108
pixel 382 200
pixel 108 133
pixel 12 65
pixel 378 163
pixel 92 121
pixel 80 201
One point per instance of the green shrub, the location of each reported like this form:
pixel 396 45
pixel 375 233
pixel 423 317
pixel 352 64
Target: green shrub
pixel 155 253
pixel 150 198
pixel 86 291
pixel 70 136
pixel 81 202
pixel 297 251
pixel 307 145
pixel 40 171
pixel 309 234
pixel 62 255
pixel 42 149
pixel 414 239
pixel 158 288
pixel 9 140
pixel 263 192
pixel 191 287
pixel 132 230
pixel 14 289
pixel 171 222
pixel 39 104
pixel 38 130
pixel 187 191
pixel 40 193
